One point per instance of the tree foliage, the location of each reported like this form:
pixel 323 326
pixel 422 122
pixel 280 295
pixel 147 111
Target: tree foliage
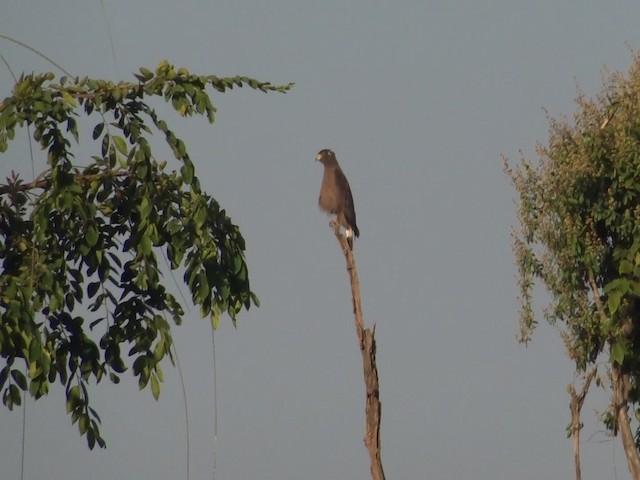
pixel 81 287
pixel 579 235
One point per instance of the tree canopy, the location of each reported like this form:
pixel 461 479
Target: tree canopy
pixel 579 236
pixel 81 286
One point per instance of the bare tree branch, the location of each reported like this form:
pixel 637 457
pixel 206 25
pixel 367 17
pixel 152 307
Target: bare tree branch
pixel 367 344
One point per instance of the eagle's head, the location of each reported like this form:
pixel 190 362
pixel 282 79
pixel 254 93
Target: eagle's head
pixel 326 157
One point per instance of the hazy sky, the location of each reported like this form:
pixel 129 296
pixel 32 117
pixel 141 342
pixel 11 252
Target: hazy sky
pixel 418 100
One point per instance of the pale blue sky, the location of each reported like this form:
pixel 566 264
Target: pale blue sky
pixel 418 100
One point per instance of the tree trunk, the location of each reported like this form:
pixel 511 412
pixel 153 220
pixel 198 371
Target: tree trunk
pixel 620 384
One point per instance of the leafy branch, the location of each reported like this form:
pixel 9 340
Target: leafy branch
pixel 80 284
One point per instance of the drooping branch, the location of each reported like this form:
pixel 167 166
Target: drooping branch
pixel 367 344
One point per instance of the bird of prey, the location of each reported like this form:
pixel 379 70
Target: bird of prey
pixel 335 195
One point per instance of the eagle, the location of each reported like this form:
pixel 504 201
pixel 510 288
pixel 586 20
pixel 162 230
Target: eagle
pixel 335 195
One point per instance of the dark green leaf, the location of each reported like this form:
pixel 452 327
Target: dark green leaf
pixel 83 423
pixel 91 438
pixel 19 378
pixel 4 374
pixel 92 289
pixel 14 396
pixel 97 131
pixel 91 236
pixel 105 146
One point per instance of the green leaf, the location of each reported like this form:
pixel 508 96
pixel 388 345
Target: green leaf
pixel 91 236
pixel 187 172
pixel 620 284
pixel 146 73
pixel 635 289
pixel 203 289
pixel 155 387
pixel 613 301
pixel 200 215
pixel 34 388
pixel 625 267
pixel 181 148
pixel 158 352
pixel 83 424
pixel 159 373
pixel 617 353
pixel 35 350
pixel 139 365
pixel 255 299
pixel 141 170
pixel 145 207
pixel 120 144
pixel 145 245
pixel 73 398
pixel 215 317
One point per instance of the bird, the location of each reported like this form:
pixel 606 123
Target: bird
pixel 335 195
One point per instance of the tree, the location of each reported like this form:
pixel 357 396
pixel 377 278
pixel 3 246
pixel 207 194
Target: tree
pixel 579 235
pixel 80 281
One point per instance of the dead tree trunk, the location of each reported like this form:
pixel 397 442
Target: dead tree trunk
pixel 367 344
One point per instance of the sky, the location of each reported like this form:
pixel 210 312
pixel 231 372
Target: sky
pixel 418 100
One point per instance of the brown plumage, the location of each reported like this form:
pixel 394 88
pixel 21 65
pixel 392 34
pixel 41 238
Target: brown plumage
pixel 335 195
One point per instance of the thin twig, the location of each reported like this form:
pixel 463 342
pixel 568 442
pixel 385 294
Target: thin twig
pixel 37 52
